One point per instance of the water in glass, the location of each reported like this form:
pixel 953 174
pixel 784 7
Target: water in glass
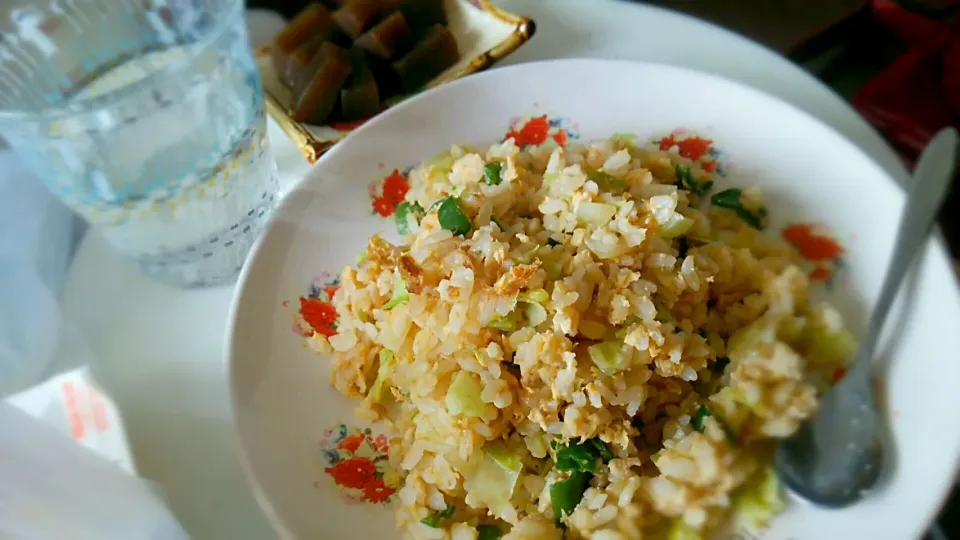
pixel 146 117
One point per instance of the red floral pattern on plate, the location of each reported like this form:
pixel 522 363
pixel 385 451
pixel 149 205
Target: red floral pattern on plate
pixel 316 313
pixel 388 193
pixel 696 148
pixel 537 130
pixel 356 461
pixel 825 255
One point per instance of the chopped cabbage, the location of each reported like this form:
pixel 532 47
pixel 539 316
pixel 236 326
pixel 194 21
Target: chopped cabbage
pixel 758 500
pixel 681 531
pixel 492 482
pixel 400 293
pixel 595 214
pixel 534 313
pixel 506 324
pixel 608 357
pixel 535 295
pixel 463 396
pixel 825 341
pixel 383 374
pixel 677 225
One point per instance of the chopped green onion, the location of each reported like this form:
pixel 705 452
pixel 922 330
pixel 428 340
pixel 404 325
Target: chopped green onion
pixel 436 519
pixel 463 396
pixel 582 456
pixel 576 457
pixel 383 374
pixel 551 242
pixel 728 198
pixel 600 449
pixel 686 181
pixel 362 256
pixel 731 200
pixel 702 413
pixel 505 324
pixel 488 532
pixel 605 181
pixel 534 295
pixel 491 174
pixel 608 357
pixel 405 209
pixel 565 495
pixel 400 293
pixel 452 218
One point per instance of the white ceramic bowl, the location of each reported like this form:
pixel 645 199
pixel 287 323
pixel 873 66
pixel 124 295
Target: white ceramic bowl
pixel 289 418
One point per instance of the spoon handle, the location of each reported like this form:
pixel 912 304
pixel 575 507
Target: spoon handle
pixel 932 178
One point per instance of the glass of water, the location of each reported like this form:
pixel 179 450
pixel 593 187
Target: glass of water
pixel 146 117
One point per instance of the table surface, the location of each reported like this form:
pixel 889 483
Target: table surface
pixel 783 25
pixel 159 351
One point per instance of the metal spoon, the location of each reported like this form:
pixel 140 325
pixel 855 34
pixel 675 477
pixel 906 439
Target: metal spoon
pixel 837 456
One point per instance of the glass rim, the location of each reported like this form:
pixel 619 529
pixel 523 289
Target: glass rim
pixel 86 105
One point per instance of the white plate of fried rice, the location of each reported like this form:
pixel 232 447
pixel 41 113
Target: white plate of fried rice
pixel 581 299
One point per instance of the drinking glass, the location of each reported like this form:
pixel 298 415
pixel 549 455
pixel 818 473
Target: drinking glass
pixel 146 117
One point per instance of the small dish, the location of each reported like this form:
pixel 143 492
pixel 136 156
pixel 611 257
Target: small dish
pixel 485 34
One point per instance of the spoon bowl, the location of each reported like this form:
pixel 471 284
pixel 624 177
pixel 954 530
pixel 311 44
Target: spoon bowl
pixel 837 456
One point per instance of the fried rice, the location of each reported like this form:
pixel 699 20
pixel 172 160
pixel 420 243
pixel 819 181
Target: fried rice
pixel 591 341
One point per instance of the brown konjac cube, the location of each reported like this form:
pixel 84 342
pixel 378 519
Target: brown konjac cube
pixel 357 16
pixel 395 47
pixel 423 14
pixel 360 98
pixel 316 93
pixel 313 20
pixel 387 79
pixel 298 61
pixel 436 52
pixel 388 39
